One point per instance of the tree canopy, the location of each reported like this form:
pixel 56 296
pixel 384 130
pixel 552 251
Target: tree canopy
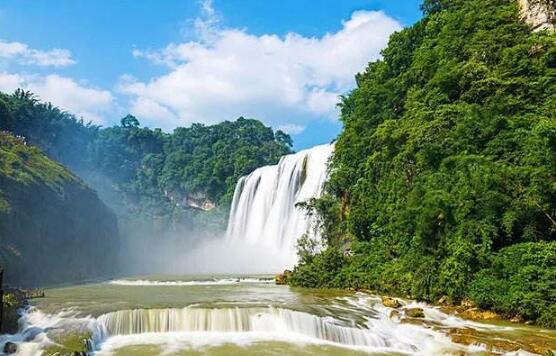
pixel 149 167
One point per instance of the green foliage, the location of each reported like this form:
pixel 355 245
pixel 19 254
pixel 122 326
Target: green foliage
pixel 447 159
pixel 153 171
pixel 520 279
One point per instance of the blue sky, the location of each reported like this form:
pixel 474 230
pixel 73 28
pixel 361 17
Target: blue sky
pixel 172 63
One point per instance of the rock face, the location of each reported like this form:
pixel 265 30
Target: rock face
pixel 197 201
pixel 539 14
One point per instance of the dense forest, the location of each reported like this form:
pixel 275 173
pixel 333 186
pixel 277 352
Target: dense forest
pixel 443 182
pixel 150 171
pixel 50 220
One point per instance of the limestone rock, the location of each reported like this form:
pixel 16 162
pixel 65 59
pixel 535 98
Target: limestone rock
pixel 391 302
pixel 414 312
pixel 478 314
pixel 10 348
pixel 539 14
pixel 282 278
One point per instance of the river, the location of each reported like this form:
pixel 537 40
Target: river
pixel 249 315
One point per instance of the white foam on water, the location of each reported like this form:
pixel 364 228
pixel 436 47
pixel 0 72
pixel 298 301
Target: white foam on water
pixel 224 281
pixel 196 327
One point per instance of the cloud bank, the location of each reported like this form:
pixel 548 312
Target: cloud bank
pixel 23 54
pixel 282 80
pixel 81 100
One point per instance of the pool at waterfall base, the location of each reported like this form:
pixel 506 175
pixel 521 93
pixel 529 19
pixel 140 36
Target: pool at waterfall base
pixel 249 315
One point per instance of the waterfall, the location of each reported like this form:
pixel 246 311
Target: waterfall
pixel 270 320
pixel 264 211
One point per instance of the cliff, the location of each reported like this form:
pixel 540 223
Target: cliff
pixel 539 14
pixel 53 228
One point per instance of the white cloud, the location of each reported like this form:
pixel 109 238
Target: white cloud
pixel 21 53
pixel 283 80
pixel 84 101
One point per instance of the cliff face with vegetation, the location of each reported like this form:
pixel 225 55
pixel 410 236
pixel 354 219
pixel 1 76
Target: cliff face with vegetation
pixel 53 228
pixel 443 180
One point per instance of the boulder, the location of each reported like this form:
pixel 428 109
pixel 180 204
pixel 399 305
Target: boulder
pixel 478 314
pixel 282 278
pixel 10 348
pixel 391 302
pixel 467 303
pixel 414 312
pixel 444 300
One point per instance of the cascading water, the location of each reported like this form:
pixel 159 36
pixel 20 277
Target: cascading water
pixel 237 320
pixel 264 211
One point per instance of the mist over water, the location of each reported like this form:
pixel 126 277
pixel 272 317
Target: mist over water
pixel 263 226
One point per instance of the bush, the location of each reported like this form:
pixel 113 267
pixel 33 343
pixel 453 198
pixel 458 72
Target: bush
pixel 521 279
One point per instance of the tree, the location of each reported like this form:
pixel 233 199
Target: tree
pixel 129 121
pixel 6 120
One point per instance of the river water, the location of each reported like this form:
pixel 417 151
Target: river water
pixel 224 315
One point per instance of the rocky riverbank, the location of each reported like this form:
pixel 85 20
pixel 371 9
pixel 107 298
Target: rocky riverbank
pixel 523 338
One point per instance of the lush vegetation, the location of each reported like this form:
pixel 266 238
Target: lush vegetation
pixel 151 171
pixel 50 220
pixel 444 178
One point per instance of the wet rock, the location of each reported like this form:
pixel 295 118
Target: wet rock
pixel 444 300
pixel 414 313
pixel 394 314
pixel 478 314
pixel 282 278
pixel 517 319
pixel 467 304
pixel 10 348
pixel 391 302
pixel 470 336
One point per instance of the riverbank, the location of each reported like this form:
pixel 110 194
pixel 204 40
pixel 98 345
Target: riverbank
pixel 406 310
pixel 537 343
pixel 13 301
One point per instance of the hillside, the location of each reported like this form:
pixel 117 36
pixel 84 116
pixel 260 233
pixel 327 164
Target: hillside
pixel 139 170
pixel 53 228
pixel 443 180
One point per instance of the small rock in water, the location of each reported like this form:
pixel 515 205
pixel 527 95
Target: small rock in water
pixel 517 319
pixel 282 278
pixel 444 300
pixel 394 314
pixel 414 312
pixel 10 348
pixel 391 302
pixel 478 314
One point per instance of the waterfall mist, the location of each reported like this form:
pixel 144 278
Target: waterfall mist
pixel 265 222
pixel 262 231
